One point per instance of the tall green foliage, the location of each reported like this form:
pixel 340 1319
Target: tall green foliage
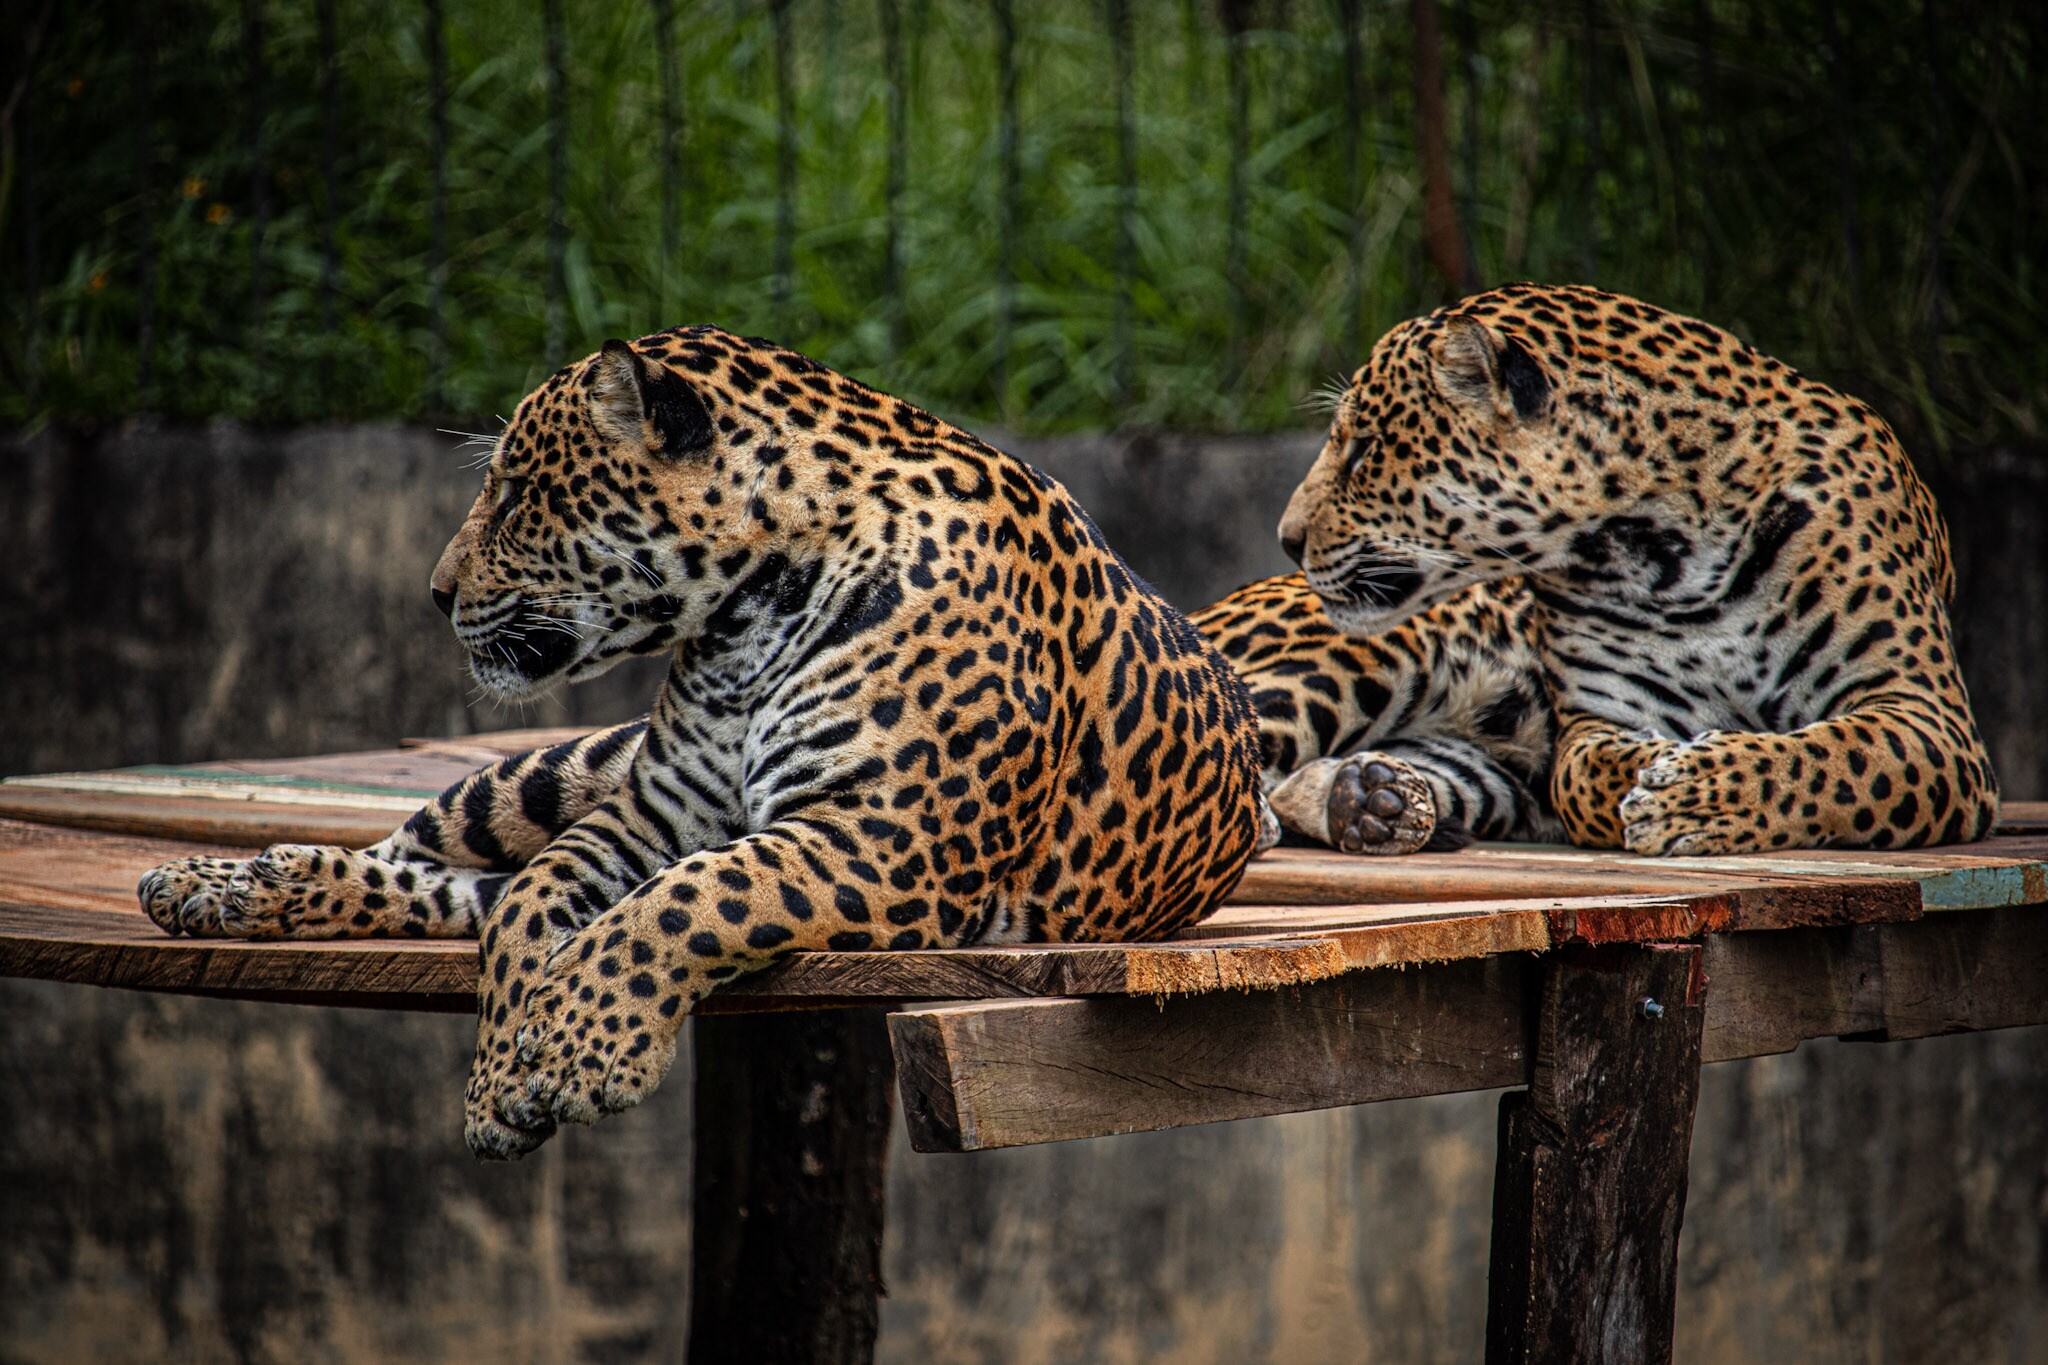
pixel 1870 209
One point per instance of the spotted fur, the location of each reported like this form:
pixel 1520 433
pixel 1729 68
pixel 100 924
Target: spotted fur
pixel 1738 587
pixel 915 700
pixel 1425 735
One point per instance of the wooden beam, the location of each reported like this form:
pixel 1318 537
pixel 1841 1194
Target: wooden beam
pixel 792 1136
pixel 1589 1189
pixel 103 947
pixel 1001 1074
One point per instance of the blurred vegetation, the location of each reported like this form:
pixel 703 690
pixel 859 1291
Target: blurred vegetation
pixel 231 208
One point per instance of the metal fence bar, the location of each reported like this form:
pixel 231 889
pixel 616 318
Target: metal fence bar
pixel 1589 141
pixel 1350 15
pixel 1123 50
pixel 1006 207
pixel 671 116
pixel 1835 42
pixel 897 170
pixel 330 138
pixel 558 183
pixel 785 165
pixel 24 116
pixel 142 30
pixel 1236 29
pixel 1710 143
pixel 1468 135
pixel 437 247
pixel 1937 155
pixel 258 95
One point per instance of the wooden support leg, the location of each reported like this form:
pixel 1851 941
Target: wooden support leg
pixel 792 1129
pixel 1589 1190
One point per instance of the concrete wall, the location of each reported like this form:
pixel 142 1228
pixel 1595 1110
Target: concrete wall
pixel 196 1181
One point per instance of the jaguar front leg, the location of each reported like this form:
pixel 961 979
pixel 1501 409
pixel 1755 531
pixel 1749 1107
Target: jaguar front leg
pixel 302 891
pixel 581 1022
pixel 1896 772
pixel 1597 765
pixel 434 877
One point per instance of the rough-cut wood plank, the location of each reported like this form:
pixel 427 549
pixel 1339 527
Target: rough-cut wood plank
pixel 2023 817
pixel 1773 991
pixel 791 1138
pixel 68 913
pixel 1953 973
pixel 1783 889
pixel 68 869
pixel 247 824
pixel 98 947
pixel 500 743
pixel 1589 1189
pixel 999 1074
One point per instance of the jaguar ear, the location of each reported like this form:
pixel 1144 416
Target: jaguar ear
pixel 1476 365
pixel 635 401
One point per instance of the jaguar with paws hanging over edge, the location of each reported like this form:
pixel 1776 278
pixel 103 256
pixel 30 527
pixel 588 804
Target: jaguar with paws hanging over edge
pixel 1737 586
pixel 914 701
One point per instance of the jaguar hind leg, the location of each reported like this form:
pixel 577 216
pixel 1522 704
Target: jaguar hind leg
pixel 1367 803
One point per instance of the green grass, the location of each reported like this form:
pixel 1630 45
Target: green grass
pixel 1720 191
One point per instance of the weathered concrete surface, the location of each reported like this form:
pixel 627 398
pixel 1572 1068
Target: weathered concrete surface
pixel 187 1181
pixel 183 1180
pixel 1997 509
pixel 189 592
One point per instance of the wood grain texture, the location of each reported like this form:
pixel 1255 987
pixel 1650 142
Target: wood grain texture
pixel 998 1074
pixel 1589 1185
pixel 68 913
pixel 791 1144
pixel 1299 916
pixel 1001 1075
pixel 240 824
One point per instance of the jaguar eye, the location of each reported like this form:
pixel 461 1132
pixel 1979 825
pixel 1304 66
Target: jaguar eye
pixel 509 488
pixel 1358 449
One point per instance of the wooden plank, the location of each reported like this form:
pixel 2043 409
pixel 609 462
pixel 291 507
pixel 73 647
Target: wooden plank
pixel 2023 817
pixel 98 947
pixel 1683 900
pixel 1589 1186
pixel 1786 888
pixel 500 743
pixel 999 1074
pixel 791 1143
pixel 244 824
pixel 68 913
pixel 1953 973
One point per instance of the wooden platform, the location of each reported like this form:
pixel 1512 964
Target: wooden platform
pixel 1601 982
pixel 73 845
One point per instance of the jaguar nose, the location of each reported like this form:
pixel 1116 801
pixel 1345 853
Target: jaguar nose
pixel 1295 546
pixel 446 602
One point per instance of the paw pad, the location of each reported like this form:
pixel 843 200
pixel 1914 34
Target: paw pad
pixel 1380 807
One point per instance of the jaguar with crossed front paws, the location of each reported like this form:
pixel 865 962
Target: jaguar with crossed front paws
pixel 1737 588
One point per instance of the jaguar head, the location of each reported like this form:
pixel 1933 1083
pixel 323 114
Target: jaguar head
pixel 627 495
pixel 1434 474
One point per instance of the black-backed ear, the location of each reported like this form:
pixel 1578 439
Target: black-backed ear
pixel 1528 386
pixel 1478 366
pixel 652 404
